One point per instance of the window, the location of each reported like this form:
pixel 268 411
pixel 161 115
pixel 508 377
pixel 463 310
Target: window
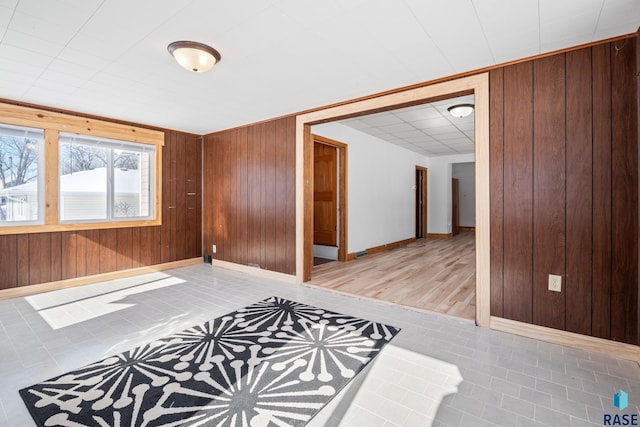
pixel 61 172
pixel 104 179
pixel 21 193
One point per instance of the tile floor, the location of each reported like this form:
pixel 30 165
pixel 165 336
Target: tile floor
pixel 439 371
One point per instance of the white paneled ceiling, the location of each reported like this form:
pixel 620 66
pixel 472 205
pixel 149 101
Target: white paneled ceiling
pixel 427 129
pixel 109 57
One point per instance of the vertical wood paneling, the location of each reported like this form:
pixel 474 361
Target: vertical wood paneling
pixel 135 247
pixel 92 241
pixel 496 128
pixel 179 222
pixel 579 190
pixel 280 196
pixel 254 202
pixel 9 261
pixel 549 145
pixel 208 193
pixel 518 191
pixel 168 165
pixel 124 249
pixel 228 196
pixel 23 262
pixel 270 192
pixel 39 259
pixel 241 196
pixel 624 157
pixel 584 190
pixel 56 257
pixel 68 241
pixel 193 181
pixel 262 196
pixel 81 253
pixel 249 194
pixel 108 250
pixel 291 192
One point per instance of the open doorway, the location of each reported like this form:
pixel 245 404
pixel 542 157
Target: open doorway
pixel 476 85
pixel 389 196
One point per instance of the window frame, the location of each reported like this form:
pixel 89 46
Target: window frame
pixel 53 123
pixel 111 146
pixel 39 183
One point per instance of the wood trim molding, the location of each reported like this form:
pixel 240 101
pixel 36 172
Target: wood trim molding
pixel 44 119
pixel 86 280
pixel 568 339
pixel 267 274
pixel 51 177
pixel 439 235
pixel 477 84
pixel 386 247
pixel 467 228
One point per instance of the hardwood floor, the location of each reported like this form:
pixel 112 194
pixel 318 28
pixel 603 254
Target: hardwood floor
pixel 430 274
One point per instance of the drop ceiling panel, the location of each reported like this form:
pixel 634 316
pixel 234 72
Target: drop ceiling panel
pixel 618 17
pixel 439 135
pixel 278 57
pixel 511 28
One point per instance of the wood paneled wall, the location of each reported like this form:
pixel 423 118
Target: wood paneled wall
pixel 249 195
pixel 44 257
pixel 564 190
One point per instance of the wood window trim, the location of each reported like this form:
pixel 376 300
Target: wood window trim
pixel 53 123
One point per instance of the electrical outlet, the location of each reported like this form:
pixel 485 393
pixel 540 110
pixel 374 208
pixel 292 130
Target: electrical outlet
pixel 555 283
pixel 213 249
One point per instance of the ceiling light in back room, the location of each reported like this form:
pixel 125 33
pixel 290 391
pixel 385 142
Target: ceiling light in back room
pixel 194 56
pixel 460 110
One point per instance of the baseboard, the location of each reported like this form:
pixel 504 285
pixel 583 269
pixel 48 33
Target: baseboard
pixel 267 274
pixel 24 291
pixel 439 236
pixel 467 228
pixel 382 248
pixel 568 339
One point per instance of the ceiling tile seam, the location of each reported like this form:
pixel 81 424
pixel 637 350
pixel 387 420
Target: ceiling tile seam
pixel 413 13
pixel 9 23
pixel 46 68
pixel 595 30
pixel 484 34
pixel 539 29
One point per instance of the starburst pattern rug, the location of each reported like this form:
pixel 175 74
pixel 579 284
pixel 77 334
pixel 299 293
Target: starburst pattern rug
pixel 276 362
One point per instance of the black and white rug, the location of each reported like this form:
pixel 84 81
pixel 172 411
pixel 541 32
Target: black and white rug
pixel 276 362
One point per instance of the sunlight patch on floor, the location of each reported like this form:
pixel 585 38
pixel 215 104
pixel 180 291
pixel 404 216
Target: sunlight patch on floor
pixel 68 307
pixel 403 387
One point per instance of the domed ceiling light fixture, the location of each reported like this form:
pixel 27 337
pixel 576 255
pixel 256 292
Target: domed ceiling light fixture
pixel 460 110
pixel 194 56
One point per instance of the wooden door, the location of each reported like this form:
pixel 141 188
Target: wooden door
pixel 421 202
pixel 325 190
pixel 455 211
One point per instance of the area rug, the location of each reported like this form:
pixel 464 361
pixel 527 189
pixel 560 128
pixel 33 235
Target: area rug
pixel 276 362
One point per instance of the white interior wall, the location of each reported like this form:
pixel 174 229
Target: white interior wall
pixel 440 174
pixel 381 187
pixel 466 174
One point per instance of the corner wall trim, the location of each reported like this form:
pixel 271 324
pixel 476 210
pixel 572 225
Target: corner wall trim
pixel 87 280
pixel 568 339
pixel 268 274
